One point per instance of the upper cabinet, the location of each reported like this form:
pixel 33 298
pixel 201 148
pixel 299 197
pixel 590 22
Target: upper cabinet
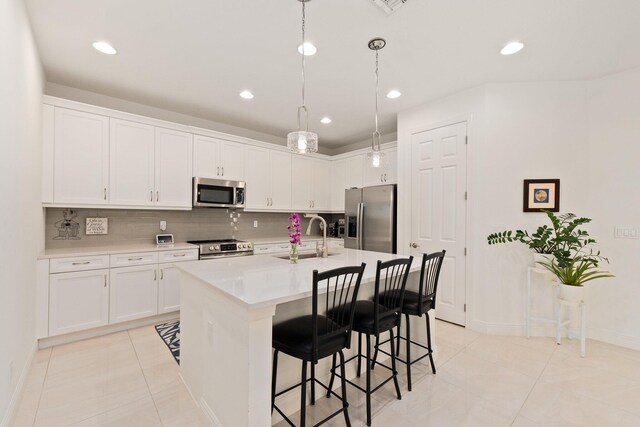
pixel 311 191
pixel 81 158
pixel 386 173
pixel 338 184
pixel 268 178
pixel 173 160
pixel 218 159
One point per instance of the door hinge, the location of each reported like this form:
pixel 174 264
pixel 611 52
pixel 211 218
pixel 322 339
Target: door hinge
pixel 465 308
pixel 465 251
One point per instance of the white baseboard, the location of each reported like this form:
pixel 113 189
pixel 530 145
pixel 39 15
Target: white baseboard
pixel 105 330
pixel 615 338
pixel 16 397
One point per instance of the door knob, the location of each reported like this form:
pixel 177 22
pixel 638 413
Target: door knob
pixel 415 245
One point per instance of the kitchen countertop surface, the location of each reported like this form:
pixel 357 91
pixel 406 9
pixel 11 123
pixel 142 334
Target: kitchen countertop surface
pixel 112 250
pixel 264 280
pixel 285 239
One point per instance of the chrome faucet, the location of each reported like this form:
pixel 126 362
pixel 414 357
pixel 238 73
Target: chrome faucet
pixel 323 251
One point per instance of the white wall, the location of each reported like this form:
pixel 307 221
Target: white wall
pixel 21 83
pixel 614 177
pixel 586 134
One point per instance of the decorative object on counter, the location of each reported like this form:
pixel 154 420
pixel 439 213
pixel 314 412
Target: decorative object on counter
pixel 376 157
pixel 541 195
pixel 294 236
pixel 234 217
pixel 68 228
pixel 170 334
pixel 303 141
pixel 164 239
pixel 96 226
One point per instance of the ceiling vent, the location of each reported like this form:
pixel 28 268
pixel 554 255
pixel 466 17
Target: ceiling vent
pixel 389 6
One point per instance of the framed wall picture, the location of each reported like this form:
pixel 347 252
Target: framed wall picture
pixel 541 194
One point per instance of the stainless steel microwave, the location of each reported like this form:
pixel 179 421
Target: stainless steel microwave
pixel 218 193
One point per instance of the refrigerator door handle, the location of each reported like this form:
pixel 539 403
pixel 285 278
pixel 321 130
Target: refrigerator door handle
pixel 360 220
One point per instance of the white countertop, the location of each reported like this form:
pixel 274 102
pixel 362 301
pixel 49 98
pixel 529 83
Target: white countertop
pixel 112 250
pixel 270 240
pixel 264 280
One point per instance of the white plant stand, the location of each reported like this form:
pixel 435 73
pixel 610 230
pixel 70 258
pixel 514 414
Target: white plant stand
pixel 529 318
pixel 565 324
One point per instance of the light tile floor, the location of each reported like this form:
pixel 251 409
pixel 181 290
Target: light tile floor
pixel 130 379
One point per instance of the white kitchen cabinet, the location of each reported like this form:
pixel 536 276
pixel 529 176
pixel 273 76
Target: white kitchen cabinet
pixel 168 288
pixel 173 168
pixel 268 178
pixel 311 187
pixel 131 163
pixel 354 171
pixel 391 176
pixel 385 174
pixel 338 184
pixel 78 300
pixel 80 158
pixel 133 293
pixel 218 159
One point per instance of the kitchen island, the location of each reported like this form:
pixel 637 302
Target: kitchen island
pixel 228 307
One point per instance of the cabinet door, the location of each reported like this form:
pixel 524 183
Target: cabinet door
pixel 205 157
pixel 301 180
pixel 78 300
pixel 391 173
pixel 168 288
pixel 321 186
pixel 231 161
pixel 257 178
pixel 280 180
pixel 81 158
pixel 373 176
pixel 355 171
pixel 173 168
pixel 134 293
pixel 131 163
pixel 338 184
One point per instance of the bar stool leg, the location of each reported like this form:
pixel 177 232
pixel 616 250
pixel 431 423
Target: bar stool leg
pixel 368 392
pixel 393 365
pixel 345 403
pixel 303 392
pixel 433 366
pixel 274 372
pixel 359 352
pixel 375 353
pixel 313 383
pixel 408 328
pixel 398 334
pixel 333 375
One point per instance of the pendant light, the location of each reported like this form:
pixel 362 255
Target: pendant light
pixel 376 157
pixel 303 141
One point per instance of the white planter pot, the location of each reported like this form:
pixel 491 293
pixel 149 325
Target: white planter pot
pixel 537 258
pixel 571 293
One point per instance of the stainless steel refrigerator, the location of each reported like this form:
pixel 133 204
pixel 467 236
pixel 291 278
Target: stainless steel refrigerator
pixel 371 218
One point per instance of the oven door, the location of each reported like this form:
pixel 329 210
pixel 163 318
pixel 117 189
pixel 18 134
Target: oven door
pixel 216 193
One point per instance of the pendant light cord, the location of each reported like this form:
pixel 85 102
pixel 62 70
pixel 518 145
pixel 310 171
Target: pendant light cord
pixel 376 91
pixel 306 126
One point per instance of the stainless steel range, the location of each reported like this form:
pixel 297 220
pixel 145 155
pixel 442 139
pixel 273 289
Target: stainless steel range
pixel 223 248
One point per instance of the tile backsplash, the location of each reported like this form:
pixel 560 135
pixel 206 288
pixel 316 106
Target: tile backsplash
pixel 141 226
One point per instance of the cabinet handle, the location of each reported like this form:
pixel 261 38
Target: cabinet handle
pixel 151 196
pixel 155 275
pixel 105 280
pixel 178 255
pixel 135 259
pixel 157 196
pixel 271 202
pixel 223 171
pixel 81 263
pixel 162 274
pixel 218 173
pixel 385 177
pixel 313 203
pixel 105 193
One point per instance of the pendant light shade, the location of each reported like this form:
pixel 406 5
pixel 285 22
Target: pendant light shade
pixel 375 157
pixel 302 141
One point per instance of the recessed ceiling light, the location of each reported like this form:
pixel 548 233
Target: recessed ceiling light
pixel 246 94
pixel 325 120
pixel 104 47
pixel 511 48
pixel 393 94
pixel 309 49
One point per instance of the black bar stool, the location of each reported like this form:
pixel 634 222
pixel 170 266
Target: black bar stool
pixel 417 304
pixel 374 317
pixel 314 337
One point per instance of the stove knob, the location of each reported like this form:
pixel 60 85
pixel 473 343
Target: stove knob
pixel 217 247
pixel 241 246
pixel 210 248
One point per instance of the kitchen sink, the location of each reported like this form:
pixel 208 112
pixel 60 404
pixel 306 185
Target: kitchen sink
pixel 303 256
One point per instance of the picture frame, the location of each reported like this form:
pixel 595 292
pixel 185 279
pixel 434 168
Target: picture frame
pixel 539 194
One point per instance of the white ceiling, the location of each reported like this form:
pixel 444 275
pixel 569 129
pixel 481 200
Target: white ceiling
pixel 195 56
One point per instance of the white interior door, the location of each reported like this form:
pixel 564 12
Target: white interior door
pixel 438 211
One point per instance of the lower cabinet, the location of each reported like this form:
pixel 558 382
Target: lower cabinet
pixel 134 293
pixel 78 300
pixel 168 288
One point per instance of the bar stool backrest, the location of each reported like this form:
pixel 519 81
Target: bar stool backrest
pixel 391 281
pixel 342 286
pixel 429 275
